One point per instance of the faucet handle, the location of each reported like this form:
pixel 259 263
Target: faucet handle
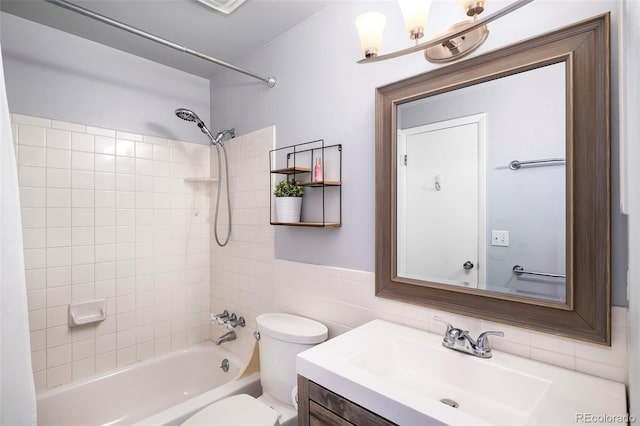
pixel 451 334
pixel 452 331
pixel 220 318
pixel 234 322
pixel 483 341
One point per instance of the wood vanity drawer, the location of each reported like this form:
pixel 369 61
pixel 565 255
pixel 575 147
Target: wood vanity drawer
pixel 321 407
pixel 320 416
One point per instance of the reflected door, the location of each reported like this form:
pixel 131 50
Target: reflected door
pixel 439 194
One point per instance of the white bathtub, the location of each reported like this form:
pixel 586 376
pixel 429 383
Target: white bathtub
pixel 161 391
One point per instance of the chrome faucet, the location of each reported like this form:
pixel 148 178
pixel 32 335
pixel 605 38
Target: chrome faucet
pixel 227 319
pixel 460 340
pixel 227 337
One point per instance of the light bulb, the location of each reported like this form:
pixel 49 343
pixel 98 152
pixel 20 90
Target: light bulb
pixel 370 27
pixel 415 14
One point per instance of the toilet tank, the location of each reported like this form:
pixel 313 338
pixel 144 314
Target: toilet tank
pixel 282 337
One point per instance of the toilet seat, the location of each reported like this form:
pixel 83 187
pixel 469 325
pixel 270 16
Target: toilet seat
pixel 237 410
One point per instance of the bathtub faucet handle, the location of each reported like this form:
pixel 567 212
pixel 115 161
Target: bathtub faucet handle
pixel 220 318
pixel 234 322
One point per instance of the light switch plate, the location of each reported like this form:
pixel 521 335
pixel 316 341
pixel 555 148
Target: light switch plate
pixel 500 238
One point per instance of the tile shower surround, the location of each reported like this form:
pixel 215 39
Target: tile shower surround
pixel 246 278
pixel 106 214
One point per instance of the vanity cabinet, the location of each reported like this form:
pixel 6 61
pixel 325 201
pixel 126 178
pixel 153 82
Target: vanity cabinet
pixel 322 200
pixel 318 406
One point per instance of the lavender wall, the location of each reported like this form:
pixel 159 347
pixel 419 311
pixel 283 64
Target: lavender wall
pixel 323 93
pixel 53 74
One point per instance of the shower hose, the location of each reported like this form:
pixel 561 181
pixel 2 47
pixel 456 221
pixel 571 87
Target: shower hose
pixel 215 220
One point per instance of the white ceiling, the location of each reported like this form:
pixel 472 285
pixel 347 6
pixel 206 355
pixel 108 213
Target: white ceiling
pixel 186 22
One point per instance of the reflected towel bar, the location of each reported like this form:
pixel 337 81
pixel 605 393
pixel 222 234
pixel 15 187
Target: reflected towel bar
pixel 519 270
pixel 515 164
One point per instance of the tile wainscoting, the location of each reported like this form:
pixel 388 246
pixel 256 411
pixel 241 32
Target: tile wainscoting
pixel 343 299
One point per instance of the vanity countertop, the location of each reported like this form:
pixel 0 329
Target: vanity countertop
pixel 403 374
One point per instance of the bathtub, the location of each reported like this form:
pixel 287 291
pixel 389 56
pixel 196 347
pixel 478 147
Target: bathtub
pixel 165 390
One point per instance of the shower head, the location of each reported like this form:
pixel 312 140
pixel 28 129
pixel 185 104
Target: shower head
pixel 188 115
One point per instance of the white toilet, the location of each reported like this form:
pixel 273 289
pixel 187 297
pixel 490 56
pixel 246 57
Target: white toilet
pixel 282 337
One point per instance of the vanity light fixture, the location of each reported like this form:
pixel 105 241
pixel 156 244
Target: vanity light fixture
pixel 370 27
pixel 457 41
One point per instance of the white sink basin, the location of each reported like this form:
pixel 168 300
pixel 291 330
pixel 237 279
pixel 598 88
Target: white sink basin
pixel 403 374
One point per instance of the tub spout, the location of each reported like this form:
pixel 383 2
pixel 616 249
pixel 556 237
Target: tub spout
pixel 227 337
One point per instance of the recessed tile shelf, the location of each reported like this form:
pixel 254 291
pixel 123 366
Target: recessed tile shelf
pixel 199 180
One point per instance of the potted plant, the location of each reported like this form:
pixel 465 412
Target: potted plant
pixel 288 200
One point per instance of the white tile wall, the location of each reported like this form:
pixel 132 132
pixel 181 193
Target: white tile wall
pixel 242 272
pixel 106 214
pixel 247 279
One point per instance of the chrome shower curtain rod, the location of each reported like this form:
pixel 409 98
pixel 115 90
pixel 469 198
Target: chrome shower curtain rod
pixel 271 81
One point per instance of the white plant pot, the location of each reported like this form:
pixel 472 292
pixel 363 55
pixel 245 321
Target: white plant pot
pixel 288 209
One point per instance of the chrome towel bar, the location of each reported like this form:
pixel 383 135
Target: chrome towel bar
pixel 516 165
pixel 519 270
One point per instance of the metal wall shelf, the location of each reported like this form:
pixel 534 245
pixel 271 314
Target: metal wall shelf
pixel 310 224
pixel 291 170
pixel 297 161
pixel 321 183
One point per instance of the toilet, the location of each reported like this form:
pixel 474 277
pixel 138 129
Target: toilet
pixel 281 338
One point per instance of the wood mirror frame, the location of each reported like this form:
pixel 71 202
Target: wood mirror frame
pixel 584 47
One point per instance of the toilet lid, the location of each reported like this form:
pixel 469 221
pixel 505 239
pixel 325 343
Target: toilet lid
pixel 237 410
pixel 292 328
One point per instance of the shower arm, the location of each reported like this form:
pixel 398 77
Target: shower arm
pixel 220 135
pixel 271 81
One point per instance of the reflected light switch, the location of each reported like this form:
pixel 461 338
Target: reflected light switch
pixel 500 238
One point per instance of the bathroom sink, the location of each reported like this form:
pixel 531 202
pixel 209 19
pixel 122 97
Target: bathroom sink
pixel 482 388
pixel 406 375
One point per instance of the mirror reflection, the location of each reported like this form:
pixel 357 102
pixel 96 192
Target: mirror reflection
pixel 481 186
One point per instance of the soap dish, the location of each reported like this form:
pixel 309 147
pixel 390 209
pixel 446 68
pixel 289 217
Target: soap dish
pixel 87 312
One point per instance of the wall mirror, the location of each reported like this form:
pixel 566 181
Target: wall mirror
pixel 493 188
